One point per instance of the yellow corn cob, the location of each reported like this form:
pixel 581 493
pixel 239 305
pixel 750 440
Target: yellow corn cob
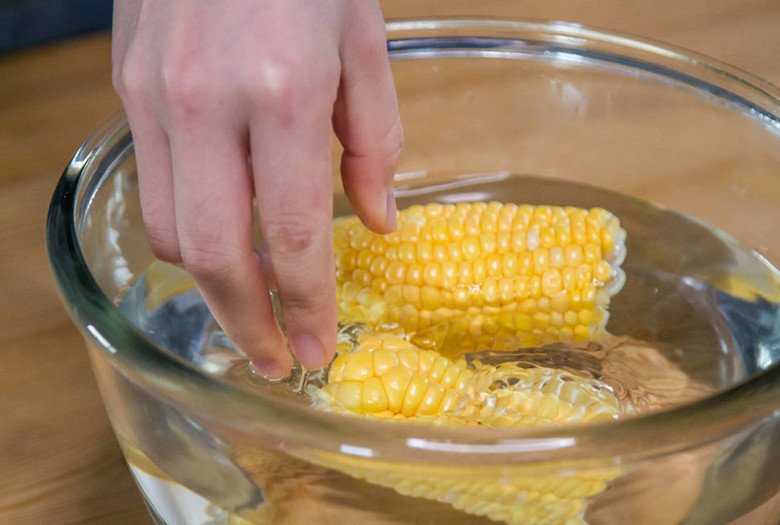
pixel 384 375
pixel 484 272
pixel 387 376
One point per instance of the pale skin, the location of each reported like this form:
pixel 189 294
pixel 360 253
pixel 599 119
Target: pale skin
pixel 231 101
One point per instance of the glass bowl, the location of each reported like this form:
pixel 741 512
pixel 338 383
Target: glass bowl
pixel 485 104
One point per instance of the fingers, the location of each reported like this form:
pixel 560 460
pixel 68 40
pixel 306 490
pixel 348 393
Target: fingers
pixel 366 118
pixel 214 221
pixel 294 192
pixel 153 160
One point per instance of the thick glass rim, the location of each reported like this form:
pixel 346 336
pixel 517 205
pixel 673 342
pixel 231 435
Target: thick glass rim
pixel 303 429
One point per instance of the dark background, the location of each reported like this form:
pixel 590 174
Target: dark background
pixel 28 22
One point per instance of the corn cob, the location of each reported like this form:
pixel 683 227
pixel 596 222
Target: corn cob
pixel 478 273
pixel 384 375
pixel 387 376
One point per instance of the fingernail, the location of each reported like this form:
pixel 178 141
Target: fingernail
pixel 392 212
pixel 308 350
pixel 269 368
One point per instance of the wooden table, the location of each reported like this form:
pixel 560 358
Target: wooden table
pixel 59 462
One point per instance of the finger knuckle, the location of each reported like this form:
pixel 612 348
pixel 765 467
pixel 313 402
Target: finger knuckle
pixel 164 245
pixel 290 237
pixel 208 260
pixel 130 80
pixel 284 84
pixel 186 87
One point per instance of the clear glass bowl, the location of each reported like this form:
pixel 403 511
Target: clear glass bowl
pixel 477 97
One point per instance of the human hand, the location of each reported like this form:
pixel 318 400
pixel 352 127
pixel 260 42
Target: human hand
pixel 207 86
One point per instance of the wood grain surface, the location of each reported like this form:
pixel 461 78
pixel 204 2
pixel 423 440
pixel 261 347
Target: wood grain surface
pixel 59 462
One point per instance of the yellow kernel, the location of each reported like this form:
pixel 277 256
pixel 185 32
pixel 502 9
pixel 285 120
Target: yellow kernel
pixel 592 253
pixel 362 277
pixel 471 225
pixel 432 274
pixel 395 272
pixel 453 251
pixel 559 302
pixel 359 366
pixel 424 251
pixel 414 274
pixel 470 248
pixel 455 227
pixel 461 296
pixel 434 209
pixel 410 230
pixel 547 237
pixel 581 333
pixel 541 320
pixel 489 290
pixel 384 359
pixel 394 294
pixel 346 260
pixel 506 290
pixel 425 362
pixel 393 342
pixel 495 265
pixel 449 401
pixel 430 401
pixel 407 252
pixel 409 358
pixel 440 252
pixel 563 234
pixel 569 278
pixel 574 255
pixel 364 259
pixel 594 234
pixel 584 275
pixel 535 286
pixel 509 265
pixel 440 366
pixel 589 295
pixel 379 285
pixel 439 229
pixel 517 241
pixel 378 245
pixel 541 260
pixel 551 282
pixel 570 318
pixel 523 322
pixel 348 395
pixel 430 297
pixel 449 274
pixel 414 395
pixel 411 294
pixel 586 317
pixel 543 304
pixel 528 306
pixel 607 242
pixel 479 271
pixel 487 242
pixel 602 271
pixel 557 257
pixel 335 373
pixel 526 263
pixel 378 266
pixel 373 398
pixel 395 382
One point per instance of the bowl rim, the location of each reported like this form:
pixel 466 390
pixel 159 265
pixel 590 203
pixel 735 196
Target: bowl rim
pixel 307 431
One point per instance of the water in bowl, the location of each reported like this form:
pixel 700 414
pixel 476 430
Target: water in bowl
pixel 698 313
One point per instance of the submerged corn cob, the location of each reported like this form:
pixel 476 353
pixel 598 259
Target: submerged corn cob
pixel 384 375
pixel 484 272
pixel 387 376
